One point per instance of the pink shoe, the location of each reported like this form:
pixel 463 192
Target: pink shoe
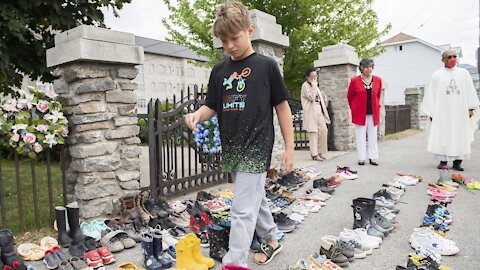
pixel 234 267
pixel 440 199
pixel 440 193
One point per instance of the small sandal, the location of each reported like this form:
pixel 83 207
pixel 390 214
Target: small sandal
pixel 269 252
pixel 48 242
pixel 30 252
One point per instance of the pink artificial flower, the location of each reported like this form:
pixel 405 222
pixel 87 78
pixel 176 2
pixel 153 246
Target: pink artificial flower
pixel 64 132
pixel 22 104
pixel 50 94
pixel 15 137
pixel 41 128
pixel 42 106
pixel 37 148
pixel 29 138
pixel 10 105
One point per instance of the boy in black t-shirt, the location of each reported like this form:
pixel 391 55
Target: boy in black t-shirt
pixel 242 91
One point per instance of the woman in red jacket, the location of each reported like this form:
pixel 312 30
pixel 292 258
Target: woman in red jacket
pixel 363 95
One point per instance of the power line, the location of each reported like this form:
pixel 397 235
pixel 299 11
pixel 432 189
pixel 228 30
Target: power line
pixel 416 16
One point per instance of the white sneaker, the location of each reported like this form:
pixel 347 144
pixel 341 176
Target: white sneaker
pixel 429 239
pixel 367 244
pixel 396 184
pixel 406 180
pixel 299 208
pixel 364 233
pixel 177 206
pixel 346 175
pixel 312 206
pixel 423 251
pixel 296 217
pixel 168 240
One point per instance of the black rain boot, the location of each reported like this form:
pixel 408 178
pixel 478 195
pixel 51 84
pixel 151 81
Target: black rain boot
pixel 8 253
pixel 217 242
pixel 360 214
pixel 63 239
pixel 73 215
pixel 149 259
pixel 457 165
pixel 441 165
pixel 368 206
pixel 158 250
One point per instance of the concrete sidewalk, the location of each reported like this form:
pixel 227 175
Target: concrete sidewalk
pixel 406 155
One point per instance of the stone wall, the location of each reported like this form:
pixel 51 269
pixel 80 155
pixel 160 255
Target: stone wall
pixel 413 98
pixel 336 65
pixel 100 103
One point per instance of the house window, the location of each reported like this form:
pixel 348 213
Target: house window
pixel 141 103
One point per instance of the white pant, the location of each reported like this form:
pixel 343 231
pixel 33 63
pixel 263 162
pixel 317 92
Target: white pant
pixel 361 134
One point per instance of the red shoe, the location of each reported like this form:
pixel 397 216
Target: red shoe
pixel 206 220
pixel 194 226
pixel 93 259
pixel 106 255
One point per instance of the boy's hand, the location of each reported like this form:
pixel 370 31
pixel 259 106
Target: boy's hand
pixel 287 161
pixel 191 121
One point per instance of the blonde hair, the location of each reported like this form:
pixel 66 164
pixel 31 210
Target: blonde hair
pixel 232 17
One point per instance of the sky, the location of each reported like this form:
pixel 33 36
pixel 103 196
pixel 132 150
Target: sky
pixel 435 21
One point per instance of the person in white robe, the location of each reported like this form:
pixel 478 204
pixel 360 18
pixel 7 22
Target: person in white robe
pixel 452 106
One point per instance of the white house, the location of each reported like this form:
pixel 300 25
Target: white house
pixel 168 69
pixel 407 62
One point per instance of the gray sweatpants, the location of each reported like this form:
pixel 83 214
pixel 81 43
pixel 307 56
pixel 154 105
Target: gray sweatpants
pixel 250 213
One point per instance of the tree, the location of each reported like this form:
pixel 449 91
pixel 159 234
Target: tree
pixel 27 29
pixel 310 25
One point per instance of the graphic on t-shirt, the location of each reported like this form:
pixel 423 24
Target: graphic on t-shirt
pixel 452 88
pixel 228 83
pixel 234 102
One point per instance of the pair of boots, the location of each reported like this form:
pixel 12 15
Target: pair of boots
pixel 363 216
pixel 132 208
pixel 72 213
pixel 152 250
pixel 9 257
pixel 219 238
pixel 189 256
pixel 457 165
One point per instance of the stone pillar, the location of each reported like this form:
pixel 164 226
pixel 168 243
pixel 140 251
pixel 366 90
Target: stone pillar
pixel 95 69
pixel 268 40
pixel 413 98
pixel 337 64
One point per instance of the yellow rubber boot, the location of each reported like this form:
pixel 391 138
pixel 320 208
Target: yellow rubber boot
pixel 197 255
pixel 185 259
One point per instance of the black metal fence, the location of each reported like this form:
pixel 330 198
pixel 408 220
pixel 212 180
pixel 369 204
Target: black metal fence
pixel 176 165
pixel 397 118
pixel 300 135
pixel 30 189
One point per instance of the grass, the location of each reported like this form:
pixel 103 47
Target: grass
pixel 10 194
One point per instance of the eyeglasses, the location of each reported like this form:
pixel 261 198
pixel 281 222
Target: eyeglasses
pixel 451 56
